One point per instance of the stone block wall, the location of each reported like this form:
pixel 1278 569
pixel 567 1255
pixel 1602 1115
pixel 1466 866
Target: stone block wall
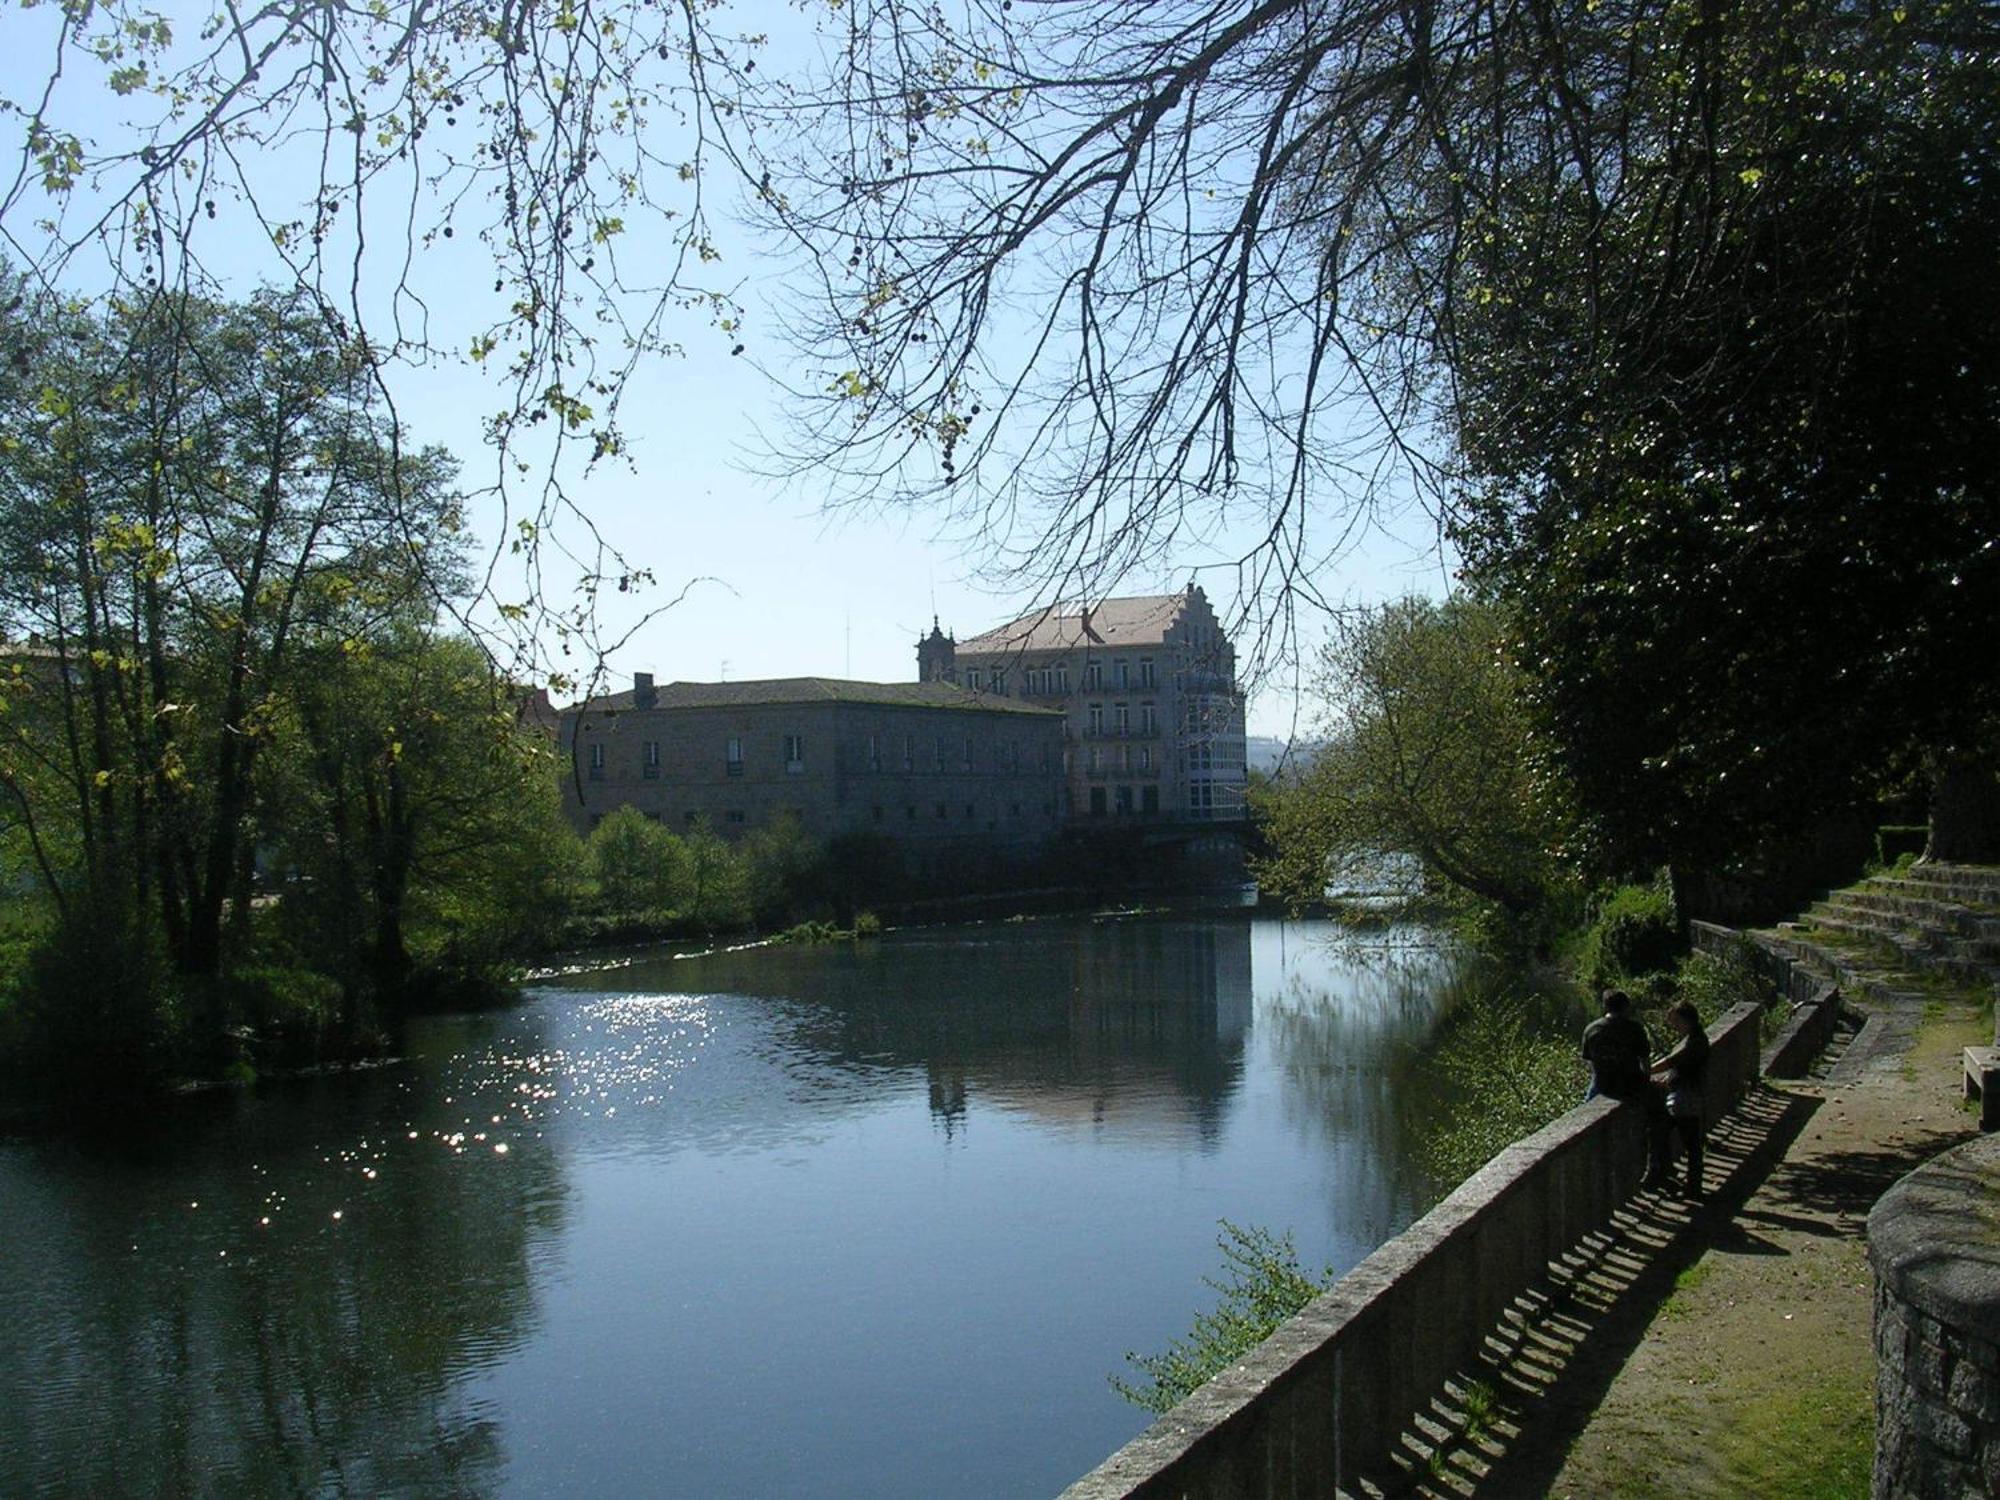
pixel 1934 1242
pixel 1320 1405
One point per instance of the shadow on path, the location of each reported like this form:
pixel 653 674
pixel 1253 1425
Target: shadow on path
pixel 1505 1429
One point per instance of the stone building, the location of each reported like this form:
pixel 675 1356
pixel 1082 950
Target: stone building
pixel 1153 718
pixel 946 772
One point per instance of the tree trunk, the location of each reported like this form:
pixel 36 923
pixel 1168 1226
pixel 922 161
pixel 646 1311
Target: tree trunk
pixel 1965 809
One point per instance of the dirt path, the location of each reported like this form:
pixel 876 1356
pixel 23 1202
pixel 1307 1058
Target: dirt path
pixel 1757 1376
pixel 1723 1349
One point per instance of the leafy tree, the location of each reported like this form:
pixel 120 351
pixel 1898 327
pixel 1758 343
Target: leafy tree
pixel 783 870
pixel 714 896
pixel 1429 752
pixel 427 822
pixel 222 552
pixel 638 865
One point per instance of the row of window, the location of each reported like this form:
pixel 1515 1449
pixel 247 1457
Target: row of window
pixel 1142 760
pixel 1121 800
pixel 1053 681
pixel 940 751
pixel 1121 720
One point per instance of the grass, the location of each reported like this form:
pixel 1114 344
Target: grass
pixel 1810 1441
pixel 1676 1305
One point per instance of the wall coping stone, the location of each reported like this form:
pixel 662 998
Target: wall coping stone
pixel 1934 1238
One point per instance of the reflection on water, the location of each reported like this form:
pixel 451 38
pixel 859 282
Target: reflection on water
pixel 869 1219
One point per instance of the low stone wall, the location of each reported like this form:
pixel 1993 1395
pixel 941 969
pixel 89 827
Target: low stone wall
pixel 1320 1404
pixel 1934 1243
pixel 1815 1012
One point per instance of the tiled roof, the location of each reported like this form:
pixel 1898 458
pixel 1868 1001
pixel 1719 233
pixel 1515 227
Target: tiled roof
pixel 813 690
pixel 1142 621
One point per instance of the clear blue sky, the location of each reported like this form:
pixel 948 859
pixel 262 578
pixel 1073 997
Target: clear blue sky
pixel 778 586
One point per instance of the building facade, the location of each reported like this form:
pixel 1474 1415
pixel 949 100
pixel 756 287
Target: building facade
pixel 946 772
pixel 1153 719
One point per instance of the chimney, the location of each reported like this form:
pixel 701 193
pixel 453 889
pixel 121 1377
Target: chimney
pixel 643 695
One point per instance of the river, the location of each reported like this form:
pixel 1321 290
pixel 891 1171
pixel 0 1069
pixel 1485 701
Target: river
pixel 871 1219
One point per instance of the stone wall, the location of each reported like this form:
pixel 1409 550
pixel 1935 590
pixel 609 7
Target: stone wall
pixel 946 783
pixel 1321 1403
pixel 1934 1243
pixel 1815 1004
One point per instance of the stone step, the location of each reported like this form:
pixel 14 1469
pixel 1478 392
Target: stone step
pixel 1946 917
pixel 1916 951
pixel 1882 985
pixel 1969 885
pixel 1946 931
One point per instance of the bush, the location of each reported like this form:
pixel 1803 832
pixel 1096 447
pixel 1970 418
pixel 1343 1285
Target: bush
pixel 290 1010
pixel 1504 1067
pixel 1714 982
pixel 635 862
pixel 867 924
pixel 1263 1284
pixel 96 1013
pixel 1636 936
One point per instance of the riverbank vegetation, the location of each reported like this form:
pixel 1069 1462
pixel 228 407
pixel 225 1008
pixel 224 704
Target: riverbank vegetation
pixel 257 796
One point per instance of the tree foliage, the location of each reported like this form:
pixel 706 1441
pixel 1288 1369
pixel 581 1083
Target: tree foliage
pixel 1429 752
pixel 1674 312
pixel 216 573
pixel 377 163
pixel 1261 1285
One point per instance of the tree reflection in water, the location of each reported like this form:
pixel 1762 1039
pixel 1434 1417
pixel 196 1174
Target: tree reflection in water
pixel 250 1299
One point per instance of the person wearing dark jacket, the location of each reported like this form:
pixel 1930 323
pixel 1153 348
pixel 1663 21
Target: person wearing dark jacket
pixel 1616 1047
pixel 1682 1074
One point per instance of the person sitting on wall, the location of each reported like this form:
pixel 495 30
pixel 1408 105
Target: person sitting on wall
pixel 1681 1073
pixel 1616 1047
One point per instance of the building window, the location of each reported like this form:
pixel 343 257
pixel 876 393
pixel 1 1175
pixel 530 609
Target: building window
pixel 1121 675
pixel 972 678
pixel 734 815
pixel 1121 719
pixel 969 813
pixel 795 754
pixel 909 752
pixel 1146 672
pixel 1147 724
pixel 1062 681
pixel 1124 757
pixel 597 762
pixel 875 755
pixel 1145 757
pixel 937 753
pixel 966 763
pixel 942 812
pixel 734 759
pixel 876 812
pixel 1149 799
pixel 1096 719
pixel 1097 802
pixel 999 682
pixel 1013 809
pixel 649 760
pixel 1093 676
pixel 1034 682
pixel 1124 800
pixel 1096 759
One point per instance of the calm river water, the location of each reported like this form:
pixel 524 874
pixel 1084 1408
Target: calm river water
pixel 859 1220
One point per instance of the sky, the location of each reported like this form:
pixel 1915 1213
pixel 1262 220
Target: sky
pixel 761 579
